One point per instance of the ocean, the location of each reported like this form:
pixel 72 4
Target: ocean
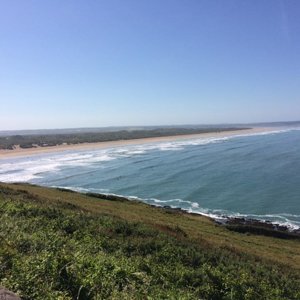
pixel 251 175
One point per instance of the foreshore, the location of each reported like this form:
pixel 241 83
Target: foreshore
pixel 110 144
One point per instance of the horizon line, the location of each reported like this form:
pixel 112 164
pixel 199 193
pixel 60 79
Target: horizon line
pixel 149 126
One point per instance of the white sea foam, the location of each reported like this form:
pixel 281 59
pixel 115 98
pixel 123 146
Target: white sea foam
pixel 23 170
pixel 26 170
pixel 82 189
pixel 218 214
pixel 195 205
pixel 222 215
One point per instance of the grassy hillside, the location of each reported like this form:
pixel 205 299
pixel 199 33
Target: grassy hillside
pixel 63 245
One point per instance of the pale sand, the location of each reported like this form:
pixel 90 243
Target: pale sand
pixel 101 145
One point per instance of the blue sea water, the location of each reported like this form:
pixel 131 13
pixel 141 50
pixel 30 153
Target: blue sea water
pixel 256 176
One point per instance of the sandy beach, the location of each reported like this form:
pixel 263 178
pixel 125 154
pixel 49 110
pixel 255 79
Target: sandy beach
pixel 19 152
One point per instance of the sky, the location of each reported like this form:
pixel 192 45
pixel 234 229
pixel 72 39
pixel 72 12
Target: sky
pixel 94 63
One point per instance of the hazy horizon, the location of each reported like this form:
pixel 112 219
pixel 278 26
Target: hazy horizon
pixel 88 64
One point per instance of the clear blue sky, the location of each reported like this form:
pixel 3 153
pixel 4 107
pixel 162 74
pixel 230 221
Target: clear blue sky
pixel 82 63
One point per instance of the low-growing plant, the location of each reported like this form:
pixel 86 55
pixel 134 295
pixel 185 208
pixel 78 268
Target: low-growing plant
pixel 54 251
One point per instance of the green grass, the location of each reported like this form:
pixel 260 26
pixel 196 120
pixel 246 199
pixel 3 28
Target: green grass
pixel 63 245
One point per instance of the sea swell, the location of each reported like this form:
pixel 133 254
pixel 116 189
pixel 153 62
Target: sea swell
pixel 27 169
pixel 219 177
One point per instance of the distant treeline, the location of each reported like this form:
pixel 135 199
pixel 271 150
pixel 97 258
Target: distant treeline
pixel 31 141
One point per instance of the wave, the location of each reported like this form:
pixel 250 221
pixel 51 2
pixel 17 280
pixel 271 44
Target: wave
pixel 29 169
pixel 23 170
pixel 82 189
pixel 221 215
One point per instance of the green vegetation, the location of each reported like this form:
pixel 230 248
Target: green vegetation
pixel 37 140
pixel 56 244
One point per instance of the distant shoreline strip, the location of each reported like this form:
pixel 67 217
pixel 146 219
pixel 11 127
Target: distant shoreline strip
pixel 20 152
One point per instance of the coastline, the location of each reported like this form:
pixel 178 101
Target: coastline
pixel 238 224
pixel 20 152
pixel 241 224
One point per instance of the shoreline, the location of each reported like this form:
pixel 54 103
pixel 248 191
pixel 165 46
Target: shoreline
pixel 241 225
pixel 23 152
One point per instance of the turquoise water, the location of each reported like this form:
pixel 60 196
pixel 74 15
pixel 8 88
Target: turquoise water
pixel 257 176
